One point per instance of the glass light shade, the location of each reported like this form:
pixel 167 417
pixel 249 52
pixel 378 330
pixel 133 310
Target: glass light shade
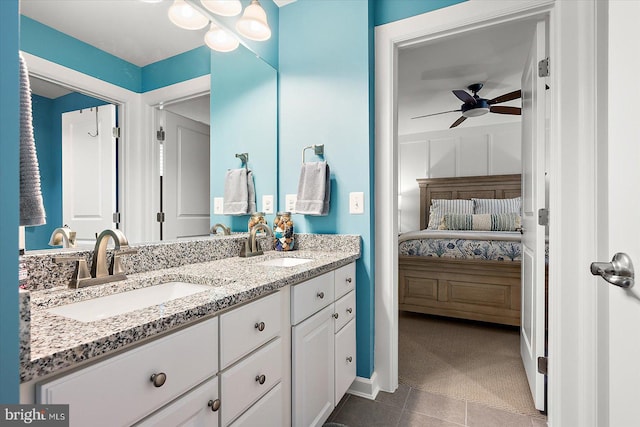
pixel 253 24
pixel 185 16
pixel 475 112
pixel 220 40
pixel 223 7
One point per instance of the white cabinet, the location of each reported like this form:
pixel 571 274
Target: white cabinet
pixel 323 344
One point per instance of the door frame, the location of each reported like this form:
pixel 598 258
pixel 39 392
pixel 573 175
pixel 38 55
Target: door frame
pixel 576 362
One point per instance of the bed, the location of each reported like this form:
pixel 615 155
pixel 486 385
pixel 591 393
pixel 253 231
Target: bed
pixel 462 274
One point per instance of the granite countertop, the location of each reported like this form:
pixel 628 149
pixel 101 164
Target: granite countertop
pixel 58 342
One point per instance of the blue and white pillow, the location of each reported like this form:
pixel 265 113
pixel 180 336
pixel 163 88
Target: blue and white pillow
pixel 497 206
pixel 439 207
pixel 482 222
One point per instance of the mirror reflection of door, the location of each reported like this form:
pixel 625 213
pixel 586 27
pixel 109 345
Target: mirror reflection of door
pixel 89 171
pixel 185 170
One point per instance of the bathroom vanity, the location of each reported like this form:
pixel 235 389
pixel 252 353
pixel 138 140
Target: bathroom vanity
pixel 270 342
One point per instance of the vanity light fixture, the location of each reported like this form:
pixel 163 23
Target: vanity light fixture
pixel 223 7
pixel 220 40
pixel 185 16
pixel 253 24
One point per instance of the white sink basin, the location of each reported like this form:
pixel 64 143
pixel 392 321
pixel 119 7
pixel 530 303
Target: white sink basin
pixel 112 305
pixel 285 262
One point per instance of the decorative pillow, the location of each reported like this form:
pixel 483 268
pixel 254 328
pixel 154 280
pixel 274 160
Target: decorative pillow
pixel 481 222
pixel 439 207
pixel 497 206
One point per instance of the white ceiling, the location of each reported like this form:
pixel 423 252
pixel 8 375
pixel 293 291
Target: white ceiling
pixel 428 73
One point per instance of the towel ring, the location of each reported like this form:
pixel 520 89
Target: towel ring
pixel 317 148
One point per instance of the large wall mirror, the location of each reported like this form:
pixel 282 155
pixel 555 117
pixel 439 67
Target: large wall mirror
pixel 233 110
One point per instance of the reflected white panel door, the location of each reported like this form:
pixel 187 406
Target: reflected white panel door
pixel 622 210
pixel 88 171
pixel 533 199
pixel 186 178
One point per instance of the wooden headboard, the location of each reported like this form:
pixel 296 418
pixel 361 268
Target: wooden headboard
pixel 466 187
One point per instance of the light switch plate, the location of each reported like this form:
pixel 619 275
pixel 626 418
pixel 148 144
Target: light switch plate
pixel 356 203
pixel 217 205
pixel 267 204
pixel 290 202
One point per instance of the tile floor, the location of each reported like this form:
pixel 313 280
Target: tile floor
pixel 409 407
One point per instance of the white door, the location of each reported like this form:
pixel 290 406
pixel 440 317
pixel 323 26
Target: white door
pixel 533 199
pixel 88 171
pixel 622 209
pixel 186 178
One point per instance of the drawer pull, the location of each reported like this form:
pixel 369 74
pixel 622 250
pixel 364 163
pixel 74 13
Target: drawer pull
pixel 320 295
pixel 260 326
pixel 261 379
pixel 214 404
pixel 349 310
pixel 335 315
pixel 348 279
pixel 158 379
pixel 349 359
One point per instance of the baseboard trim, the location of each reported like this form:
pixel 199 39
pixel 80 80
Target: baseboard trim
pixel 365 387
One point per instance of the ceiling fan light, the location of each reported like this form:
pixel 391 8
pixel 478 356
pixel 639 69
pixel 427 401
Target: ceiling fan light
pixel 223 7
pixel 475 112
pixel 220 40
pixel 253 24
pixel 184 16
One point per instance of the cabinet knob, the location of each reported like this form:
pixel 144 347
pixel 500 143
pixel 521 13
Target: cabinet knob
pixel 261 379
pixel 260 326
pixel 214 404
pixel 348 279
pixel 349 310
pixel 158 379
pixel 349 359
pixel 335 315
pixel 320 295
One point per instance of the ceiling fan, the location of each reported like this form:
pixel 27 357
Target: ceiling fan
pixel 475 106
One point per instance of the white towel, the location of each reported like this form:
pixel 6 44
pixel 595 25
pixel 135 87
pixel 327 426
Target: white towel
pixel 314 189
pixel 31 204
pixel 236 196
pixel 251 192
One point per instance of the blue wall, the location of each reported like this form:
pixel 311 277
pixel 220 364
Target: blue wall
pixel 185 66
pixel 393 10
pixel 325 98
pixel 244 118
pixel 9 207
pixel 47 128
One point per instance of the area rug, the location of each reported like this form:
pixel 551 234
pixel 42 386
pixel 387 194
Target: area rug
pixel 465 360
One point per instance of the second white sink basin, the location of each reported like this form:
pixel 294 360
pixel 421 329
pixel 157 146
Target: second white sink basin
pixel 285 262
pixel 112 305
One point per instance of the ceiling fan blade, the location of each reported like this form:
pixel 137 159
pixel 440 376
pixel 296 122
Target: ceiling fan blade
pixel 435 114
pixel 457 122
pixel 506 97
pixel 464 96
pixel 516 111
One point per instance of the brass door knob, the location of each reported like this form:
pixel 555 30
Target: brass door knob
pixel 214 404
pixel 158 379
pixel 260 326
pixel 261 379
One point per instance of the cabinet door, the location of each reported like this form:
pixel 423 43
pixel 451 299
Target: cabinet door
pixel 313 369
pixel 267 412
pixel 345 359
pixel 195 409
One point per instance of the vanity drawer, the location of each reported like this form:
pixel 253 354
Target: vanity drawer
pixel 345 279
pixel 240 384
pixel 268 411
pixel 345 309
pixel 311 296
pixel 119 391
pixel 248 327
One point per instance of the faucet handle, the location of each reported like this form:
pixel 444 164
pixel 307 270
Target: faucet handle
pixel 81 271
pixel 116 262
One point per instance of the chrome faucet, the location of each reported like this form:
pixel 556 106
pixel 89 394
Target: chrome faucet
pixel 99 273
pixel 225 230
pixel 63 236
pixel 250 247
